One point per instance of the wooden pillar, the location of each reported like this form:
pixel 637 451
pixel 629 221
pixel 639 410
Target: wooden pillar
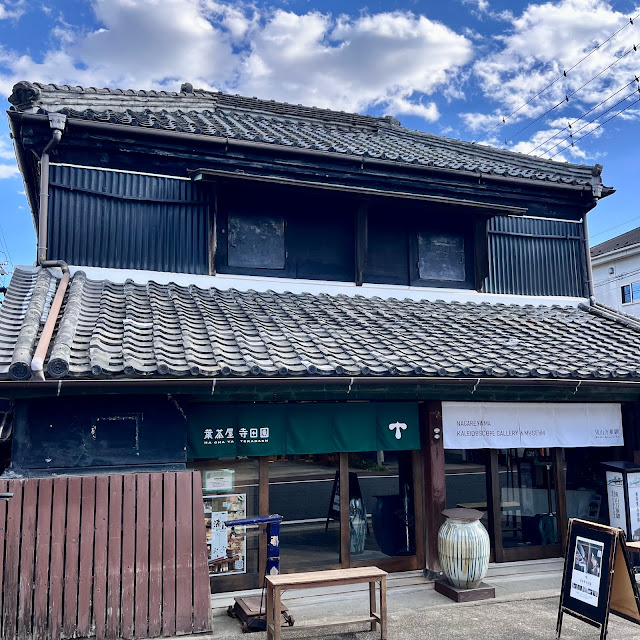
pixel 560 480
pixel 418 506
pixel 494 508
pixel 361 242
pixel 435 493
pixel 631 431
pixel 213 229
pixel 344 510
pixel 263 509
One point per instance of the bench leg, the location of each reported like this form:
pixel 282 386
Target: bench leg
pixel 269 615
pixel 276 614
pixel 383 608
pixel 372 603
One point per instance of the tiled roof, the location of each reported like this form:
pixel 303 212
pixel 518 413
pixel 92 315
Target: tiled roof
pixel 132 329
pixel 266 121
pixel 622 241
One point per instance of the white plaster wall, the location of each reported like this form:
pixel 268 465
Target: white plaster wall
pixel 608 286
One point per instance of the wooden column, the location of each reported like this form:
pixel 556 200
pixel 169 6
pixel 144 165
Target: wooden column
pixel 435 493
pixel 560 481
pixel 344 510
pixel 213 229
pixel 494 508
pixel 361 242
pixel 263 508
pixel 418 506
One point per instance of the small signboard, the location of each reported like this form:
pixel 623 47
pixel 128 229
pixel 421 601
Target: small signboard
pixel 598 578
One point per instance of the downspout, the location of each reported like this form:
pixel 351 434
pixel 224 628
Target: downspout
pixel 57 122
pixel 596 190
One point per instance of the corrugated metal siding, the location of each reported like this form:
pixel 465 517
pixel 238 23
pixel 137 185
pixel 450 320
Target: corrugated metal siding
pixel 127 221
pixel 529 256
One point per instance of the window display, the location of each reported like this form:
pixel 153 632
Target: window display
pixel 227 545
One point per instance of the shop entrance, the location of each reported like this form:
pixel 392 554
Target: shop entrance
pixel 521 493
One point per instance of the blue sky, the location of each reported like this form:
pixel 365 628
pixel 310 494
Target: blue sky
pixel 453 68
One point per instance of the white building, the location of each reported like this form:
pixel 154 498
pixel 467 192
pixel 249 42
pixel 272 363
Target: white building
pixel 616 272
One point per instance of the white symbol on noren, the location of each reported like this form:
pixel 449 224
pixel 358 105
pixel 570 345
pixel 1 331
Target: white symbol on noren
pixel 208 434
pixel 399 428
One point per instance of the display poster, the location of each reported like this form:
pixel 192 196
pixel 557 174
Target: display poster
pixel 615 495
pixel 227 545
pixel 587 568
pixel 218 479
pixel 633 489
pixel 530 425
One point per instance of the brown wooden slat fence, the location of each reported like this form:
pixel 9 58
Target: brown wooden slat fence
pixel 115 556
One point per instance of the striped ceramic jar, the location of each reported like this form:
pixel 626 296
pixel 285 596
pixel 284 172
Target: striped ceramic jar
pixel 463 548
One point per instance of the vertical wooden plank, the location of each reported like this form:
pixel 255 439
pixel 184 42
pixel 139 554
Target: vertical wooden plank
pixel 435 488
pixel 142 556
pixel 213 230
pixel 201 588
pixel 4 488
pixel 11 562
pixel 114 556
pixel 361 237
pixel 344 510
pixel 263 510
pixel 418 506
pixel 101 538
pixel 72 550
pixel 494 508
pixel 128 553
pixel 560 478
pixel 184 553
pixel 155 555
pixel 169 556
pixel 56 565
pixel 43 546
pixel 27 557
pixel 85 571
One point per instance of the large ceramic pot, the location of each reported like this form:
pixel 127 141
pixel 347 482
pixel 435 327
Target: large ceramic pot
pixel 463 548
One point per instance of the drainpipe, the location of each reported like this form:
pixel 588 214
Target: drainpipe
pixel 57 122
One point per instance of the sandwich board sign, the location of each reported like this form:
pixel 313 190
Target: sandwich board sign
pixel 598 578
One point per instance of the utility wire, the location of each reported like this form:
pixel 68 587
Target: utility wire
pixel 586 113
pixel 566 98
pixel 563 75
pixel 586 124
pixel 615 115
pixel 622 224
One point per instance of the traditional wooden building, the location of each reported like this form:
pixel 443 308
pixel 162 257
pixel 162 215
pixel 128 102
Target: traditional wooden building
pixel 335 318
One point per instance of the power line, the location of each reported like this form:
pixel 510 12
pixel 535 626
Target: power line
pixel 622 224
pixel 563 75
pixel 586 113
pixel 615 115
pixel 566 98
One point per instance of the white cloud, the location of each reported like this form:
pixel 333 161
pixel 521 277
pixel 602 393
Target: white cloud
pixel 388 60
pixel 8 171
pixel 12 9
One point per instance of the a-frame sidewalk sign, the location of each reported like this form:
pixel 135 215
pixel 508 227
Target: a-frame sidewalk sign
pixel 598 577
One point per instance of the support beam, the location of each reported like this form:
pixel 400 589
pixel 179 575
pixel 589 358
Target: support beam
pixel 344 511
pixel 560 481
pixel 263 508
pixel 213 229
pixel 435 492
pixel 494 508
pixel 361 241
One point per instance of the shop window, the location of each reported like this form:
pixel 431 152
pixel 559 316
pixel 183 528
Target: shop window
pixel 230 492
pixel 381 505
pixel 302 490
pixel 255 241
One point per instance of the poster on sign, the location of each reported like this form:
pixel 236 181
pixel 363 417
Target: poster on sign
pixel 532 425
pixel 633 489
pixel 615 495
pixel 587 567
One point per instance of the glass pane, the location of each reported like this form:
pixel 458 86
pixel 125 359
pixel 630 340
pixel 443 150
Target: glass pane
pixel 527 497
pixel 626 293
pixel 466 480
pixel 381 506
pixel 586 483
pixel 301 490
pixel 441 256
pixel 635 291
pixel 230 488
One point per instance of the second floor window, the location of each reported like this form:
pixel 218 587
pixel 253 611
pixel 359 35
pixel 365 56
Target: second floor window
pixel 255 241
pixel 441 256
pixel 630 293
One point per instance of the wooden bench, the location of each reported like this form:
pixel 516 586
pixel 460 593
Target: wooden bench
pixel 335 577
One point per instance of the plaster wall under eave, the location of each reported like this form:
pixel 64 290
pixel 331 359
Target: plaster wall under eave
pixel 613 271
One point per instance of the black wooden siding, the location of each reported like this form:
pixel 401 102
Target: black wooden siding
pixel 127 221
pixel 529 256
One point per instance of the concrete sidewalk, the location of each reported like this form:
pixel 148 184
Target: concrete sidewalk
pixel 526 606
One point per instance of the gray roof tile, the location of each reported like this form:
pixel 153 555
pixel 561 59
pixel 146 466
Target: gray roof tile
pixel 227 116
pixel 132 329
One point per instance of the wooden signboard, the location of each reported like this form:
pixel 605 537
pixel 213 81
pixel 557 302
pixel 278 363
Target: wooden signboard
pixel 598 577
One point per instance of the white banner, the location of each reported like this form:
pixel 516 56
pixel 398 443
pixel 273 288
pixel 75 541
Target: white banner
pixel 531 425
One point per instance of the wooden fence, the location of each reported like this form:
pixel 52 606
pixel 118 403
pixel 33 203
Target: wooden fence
pixel 115 556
